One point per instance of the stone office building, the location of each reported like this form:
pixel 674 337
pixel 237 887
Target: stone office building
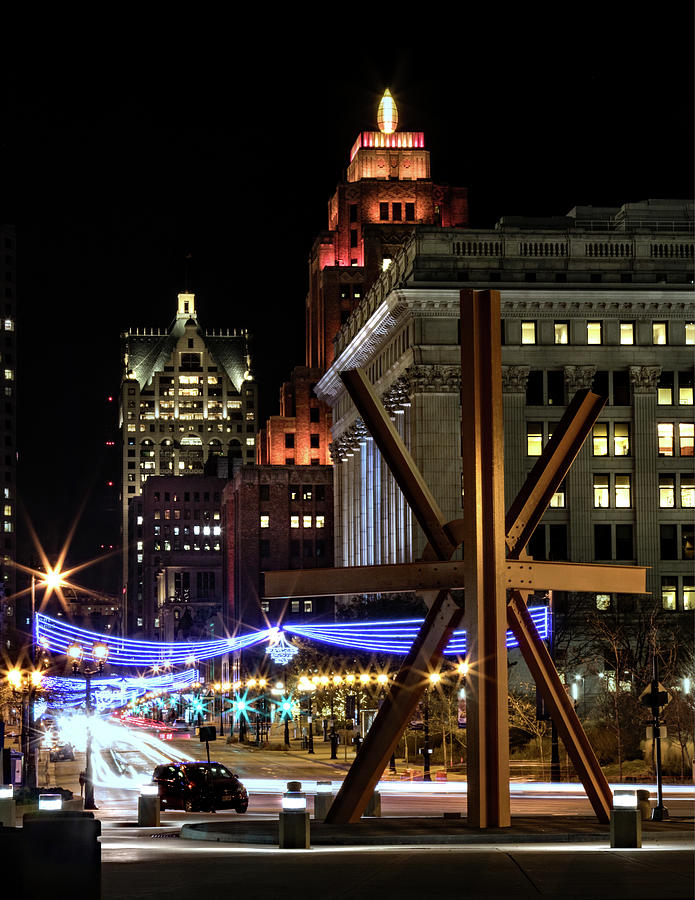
pixel 602 298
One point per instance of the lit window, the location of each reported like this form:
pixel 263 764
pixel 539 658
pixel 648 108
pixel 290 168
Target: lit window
pixel 685 388
pixel 687 491
pixel 667 491
pixel 593 332
pixel 234 404
pixel 265 521
pixel 7 509
pixel 534 438
pixel 9 325
pixel 196 529
pixel 131 427
pixel 623 491
pixel 627 333
pixel 306 521
pixel 668 591
pixel 216 530
pixel 658 332
pixel 621 439
pixel 139 520
pixel 686 438
pixel 308 606
pixel 601 491
pixel 265 606
pixel 250 441
pixel 690 332
pixel 385 263
pixel 8 527
pixel 294 521
pixel 528 332
pixel 664 432
pixel 600 440
pixel 688 595
pixel 603 601
pixel 320 521
pixel 9 374
pixel 294 606
pixel 561 332
pixel 139 557
pixel 139 545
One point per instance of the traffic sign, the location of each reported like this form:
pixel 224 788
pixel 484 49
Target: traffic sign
pixel 655 696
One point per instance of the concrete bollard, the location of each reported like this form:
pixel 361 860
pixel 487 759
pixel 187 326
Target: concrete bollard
pixel 626 821
pixel 373 808
pixel 7 806
pixel 294 828
pixel 323 799
pixel 148 811
pixel 644 805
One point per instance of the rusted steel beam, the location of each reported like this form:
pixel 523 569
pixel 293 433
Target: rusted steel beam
pixel 396 711
pixel 560 706
pixel 413 486
pixel 436 576
pixel 485 616
pixel 551 467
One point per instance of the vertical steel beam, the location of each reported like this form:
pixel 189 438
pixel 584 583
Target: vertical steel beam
pixel 576 743
pixel 484 545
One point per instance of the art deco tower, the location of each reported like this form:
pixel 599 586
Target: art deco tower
pixel 187 396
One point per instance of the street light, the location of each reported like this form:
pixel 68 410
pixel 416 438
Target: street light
pixel 25 685
pixel 434 678
pixel 100 653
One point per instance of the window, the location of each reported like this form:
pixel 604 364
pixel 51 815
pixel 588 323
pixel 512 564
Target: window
pixel 409 212
pixel 353 212
pixel 320 521
pixel 685 388
pixel 294 521
pixel 397 212
pixel 557 542
pixel 688 595
pixel 601 498
pixel 250 441
pixel 306 521
pixel 307 491
pixel 265 604
pixel 294 606
pixel 664 431
pixel 687 491
pixel 686 438
pixel 353 237
pixel 294 548
pixel 594 333
pixel 264 492
pixel 627 333
pixel 669 591
pixel 307 549
pixel 556 387
pixel 621 438
pixel 687 542
pixel 561 332
pixel 265 521
pixel 528 332
pixel 664 389
pixel 534 438
pixel 603 601
pixel 289 440
pixel 308 606
pixel 690 332
pixel 667 491
pixel 384 212
pixel 314 414
pixel 314 441
pixel 659 333
pixel 621 388
pixel 668 541
pixel 602 541
pixel 600 440
pixel 623 491
pixel 623 542
pixel 294 493
pixel 534 388
pixel 320 492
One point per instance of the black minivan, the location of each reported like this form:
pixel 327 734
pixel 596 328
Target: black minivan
pixel 194 786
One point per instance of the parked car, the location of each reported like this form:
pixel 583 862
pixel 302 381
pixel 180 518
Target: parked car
pixel 194 786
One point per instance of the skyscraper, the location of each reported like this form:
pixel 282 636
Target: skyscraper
pixel 187 397
pixel 8 434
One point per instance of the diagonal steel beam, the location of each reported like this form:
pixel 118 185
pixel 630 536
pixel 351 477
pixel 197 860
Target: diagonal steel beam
pixel 551 467
pixel 545 674
pixel 443 617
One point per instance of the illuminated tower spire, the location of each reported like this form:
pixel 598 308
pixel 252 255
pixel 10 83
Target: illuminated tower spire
pixel 387 114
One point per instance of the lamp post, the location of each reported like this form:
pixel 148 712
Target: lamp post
pixel 24 686
pixel 307 687
pixel 100 652
pixel 434 678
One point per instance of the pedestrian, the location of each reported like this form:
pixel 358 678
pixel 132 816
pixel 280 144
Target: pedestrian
pixel 83 779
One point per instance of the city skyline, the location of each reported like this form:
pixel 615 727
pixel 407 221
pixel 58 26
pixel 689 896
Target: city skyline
pixel 142 179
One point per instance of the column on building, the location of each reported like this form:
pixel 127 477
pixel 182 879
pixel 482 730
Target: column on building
pixel 579 481
pixel 645 452
pixel 514 380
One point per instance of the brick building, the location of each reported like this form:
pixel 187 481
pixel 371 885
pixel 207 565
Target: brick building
pixel 275 517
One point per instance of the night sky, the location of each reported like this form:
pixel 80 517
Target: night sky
pixel 118 161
